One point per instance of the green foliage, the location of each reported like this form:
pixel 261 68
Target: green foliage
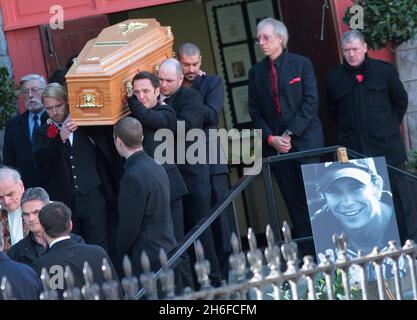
pixel 386 21
pixel 321 289
pixel 8 97
pixel 412 161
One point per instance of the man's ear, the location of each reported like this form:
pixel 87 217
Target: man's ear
pixel 70 226
pixel 378 185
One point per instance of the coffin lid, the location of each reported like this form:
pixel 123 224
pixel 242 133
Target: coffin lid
pixel 118 46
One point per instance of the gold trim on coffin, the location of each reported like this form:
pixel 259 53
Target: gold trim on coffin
pixel 126 28
pixel 89 101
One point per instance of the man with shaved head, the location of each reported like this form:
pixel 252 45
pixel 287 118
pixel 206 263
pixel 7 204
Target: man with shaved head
pixel 189 108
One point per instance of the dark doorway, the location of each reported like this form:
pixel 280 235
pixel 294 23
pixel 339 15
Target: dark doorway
pixel 59 45
pixel 304 21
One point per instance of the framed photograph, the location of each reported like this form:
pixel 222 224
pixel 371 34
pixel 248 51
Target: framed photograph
pixel 238 62
pixel 257 11
pixel 240 104
pixel 355 199
pixel 231 24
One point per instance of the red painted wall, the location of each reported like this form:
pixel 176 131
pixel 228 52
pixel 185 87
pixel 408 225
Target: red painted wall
pixel 340 7
pixel 18 14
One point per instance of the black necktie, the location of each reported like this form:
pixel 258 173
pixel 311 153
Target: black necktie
pixel 35 127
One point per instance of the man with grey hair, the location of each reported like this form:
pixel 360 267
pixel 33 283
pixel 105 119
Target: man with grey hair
pixel 18 150
pixel 33 245
pixel 367 102
pixel 24 283
pixel 284 102
pixel 11 191
pixel 189 107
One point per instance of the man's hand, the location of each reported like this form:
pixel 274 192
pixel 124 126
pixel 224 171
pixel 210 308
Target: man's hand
pixel 281 143
pixel 67 128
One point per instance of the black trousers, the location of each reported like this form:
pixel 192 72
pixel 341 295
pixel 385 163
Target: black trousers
pixel 225 223
pixel 405 203
pixel 89 217
pixel 290 181
pixel 184 267
pixel 196 206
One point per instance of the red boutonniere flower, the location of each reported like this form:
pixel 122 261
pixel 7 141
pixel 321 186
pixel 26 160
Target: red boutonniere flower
pixel 359 77
pixel 52 131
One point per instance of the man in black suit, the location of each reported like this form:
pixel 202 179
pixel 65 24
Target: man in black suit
pixel 82 165
pixel 145 222
pixel 211 88
pixel 24 282
pixel 153 116
pixel 18 149
pixel 189 107
pixel 33 245
pixel 283 102
pixel 55 219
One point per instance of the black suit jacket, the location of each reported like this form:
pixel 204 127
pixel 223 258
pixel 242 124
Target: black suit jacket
pixel 145 222
pixel 25 250
pixel 70 252
pixel 24 281
pixel 368 115
pixel 189 106
pixel 298 98
pixel 211 88
pixel 51 153
pixel 159 117
pixel 17 150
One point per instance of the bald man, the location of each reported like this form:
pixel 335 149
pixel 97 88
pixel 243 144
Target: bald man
pixel 189 107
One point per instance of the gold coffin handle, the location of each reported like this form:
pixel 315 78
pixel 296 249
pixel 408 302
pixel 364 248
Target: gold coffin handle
pixel 129 89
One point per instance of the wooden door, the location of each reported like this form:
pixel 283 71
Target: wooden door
pixel 303 20
pixel 61 44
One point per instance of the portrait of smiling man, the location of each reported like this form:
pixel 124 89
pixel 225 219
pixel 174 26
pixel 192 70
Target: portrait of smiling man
pixel 353 198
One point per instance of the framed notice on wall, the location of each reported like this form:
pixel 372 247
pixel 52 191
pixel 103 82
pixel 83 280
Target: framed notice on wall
pixel 232 25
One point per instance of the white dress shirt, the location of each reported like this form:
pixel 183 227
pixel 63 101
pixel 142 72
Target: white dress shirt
pixel 15 225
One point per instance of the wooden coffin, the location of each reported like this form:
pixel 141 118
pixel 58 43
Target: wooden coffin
pixel 100 79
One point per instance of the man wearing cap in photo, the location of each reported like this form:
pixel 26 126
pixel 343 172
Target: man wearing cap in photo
pixel 355 204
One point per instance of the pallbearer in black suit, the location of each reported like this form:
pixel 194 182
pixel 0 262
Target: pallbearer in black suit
pixel 55 219
pixel 189 107
pixel 18 150
pixel 211 88
pixel 153 116
pixel 145 222
pixel 283 102
pixel 81 165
